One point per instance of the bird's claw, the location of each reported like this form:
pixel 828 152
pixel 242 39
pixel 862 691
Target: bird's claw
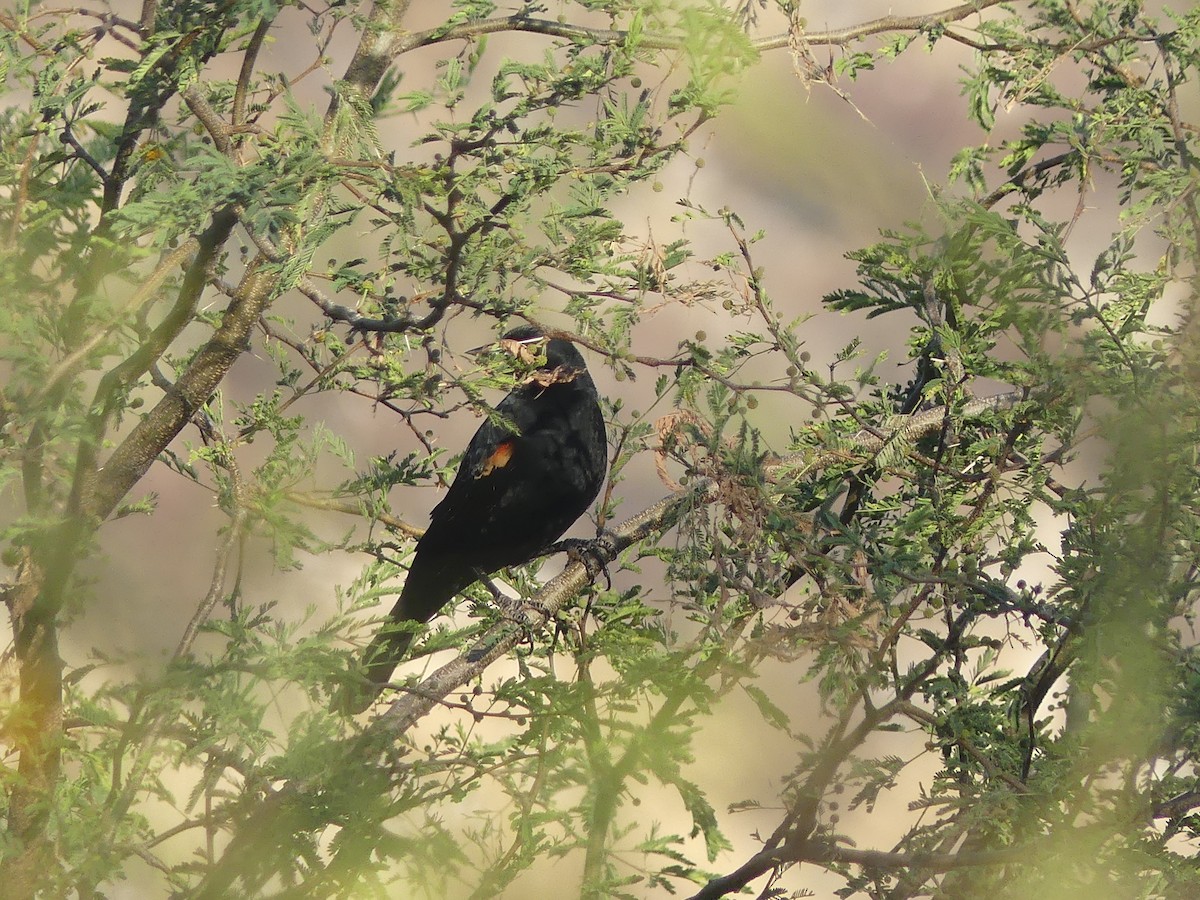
pixel 594 553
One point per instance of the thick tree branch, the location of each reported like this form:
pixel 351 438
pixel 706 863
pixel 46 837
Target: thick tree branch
pixel 114 387
pixel 35 728
pixel 1177 806
pixel 382 33
pixel 242 91
pixel 134 456
pixel 208 117
pixel 823 854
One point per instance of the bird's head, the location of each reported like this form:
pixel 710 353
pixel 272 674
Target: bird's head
pixel 527 345
pixel 534 352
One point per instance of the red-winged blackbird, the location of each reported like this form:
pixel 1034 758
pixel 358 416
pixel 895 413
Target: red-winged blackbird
pixel 526 476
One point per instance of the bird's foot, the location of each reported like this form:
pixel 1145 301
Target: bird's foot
pixel 515 609
pixel 595 553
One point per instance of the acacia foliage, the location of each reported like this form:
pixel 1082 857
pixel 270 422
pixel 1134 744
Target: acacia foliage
pixel 169 195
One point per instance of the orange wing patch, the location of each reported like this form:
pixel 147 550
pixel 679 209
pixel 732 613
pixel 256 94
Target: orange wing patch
pixel 499 458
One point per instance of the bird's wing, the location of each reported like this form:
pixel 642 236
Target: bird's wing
pixel 484 464
pixel 490 449
pixel 494 443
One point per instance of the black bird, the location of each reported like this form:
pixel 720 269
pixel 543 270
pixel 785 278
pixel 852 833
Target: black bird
pixel 526 476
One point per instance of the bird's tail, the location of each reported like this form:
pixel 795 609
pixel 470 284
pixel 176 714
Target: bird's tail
pixel 431 584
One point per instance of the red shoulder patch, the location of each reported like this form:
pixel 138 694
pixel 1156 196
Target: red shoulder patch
pixel 499 458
